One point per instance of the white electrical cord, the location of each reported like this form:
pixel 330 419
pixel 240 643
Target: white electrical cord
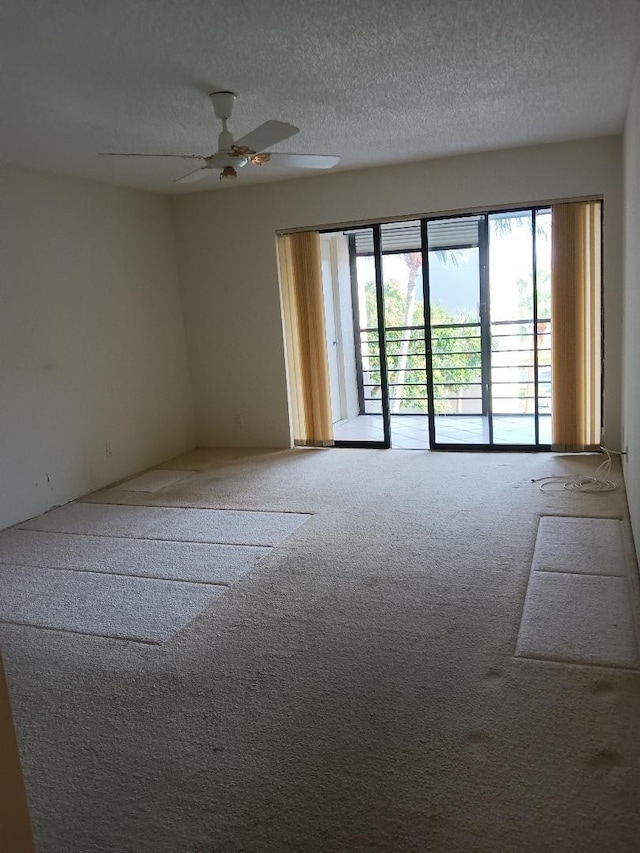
pixel 596 483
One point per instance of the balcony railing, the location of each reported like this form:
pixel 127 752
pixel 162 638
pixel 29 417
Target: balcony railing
pixel 461 368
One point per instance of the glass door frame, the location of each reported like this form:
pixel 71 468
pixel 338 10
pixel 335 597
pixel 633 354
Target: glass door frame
pixel 382 337
pixel 385 444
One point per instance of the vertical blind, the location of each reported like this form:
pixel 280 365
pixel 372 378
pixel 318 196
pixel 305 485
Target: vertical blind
pixel 576 326
pixel 300 264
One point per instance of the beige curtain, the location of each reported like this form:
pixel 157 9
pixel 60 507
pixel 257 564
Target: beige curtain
pixel 576 325
pixel 303 308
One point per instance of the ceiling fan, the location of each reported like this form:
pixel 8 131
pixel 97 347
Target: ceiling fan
pixel 249 149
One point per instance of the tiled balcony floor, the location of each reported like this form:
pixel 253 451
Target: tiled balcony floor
pixel 410 432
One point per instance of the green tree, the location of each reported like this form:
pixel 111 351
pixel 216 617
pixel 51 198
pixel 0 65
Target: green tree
pixel 455 349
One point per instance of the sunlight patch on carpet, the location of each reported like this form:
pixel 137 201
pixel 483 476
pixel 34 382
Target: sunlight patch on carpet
pixel 125 608
pixel 580 545
pixel 187 561
pixel 578 619
pixel 578 607
pixel 153 481
pixel 102 519
pixel 221 526
pixel 131 572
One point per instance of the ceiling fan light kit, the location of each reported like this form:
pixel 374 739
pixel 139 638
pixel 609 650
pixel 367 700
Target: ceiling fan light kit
pixel 249 149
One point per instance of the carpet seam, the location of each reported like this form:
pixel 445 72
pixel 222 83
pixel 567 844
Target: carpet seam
pixel 117 574
pixel 570 662
pixel 138 538
pixel 580 574
pixel 563 662
pixel 151 538
pixel 179 506
pixel 87 633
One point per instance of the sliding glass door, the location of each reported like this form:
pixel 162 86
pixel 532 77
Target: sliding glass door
pixel 449 338
pixel 458 324
pixel 489 297
pixel 520 338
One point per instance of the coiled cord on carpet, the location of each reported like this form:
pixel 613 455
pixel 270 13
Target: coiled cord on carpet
pixel 597 483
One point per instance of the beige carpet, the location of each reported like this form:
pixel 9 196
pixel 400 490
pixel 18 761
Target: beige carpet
pixel 357 691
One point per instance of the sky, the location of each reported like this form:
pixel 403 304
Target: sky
pixel 456 287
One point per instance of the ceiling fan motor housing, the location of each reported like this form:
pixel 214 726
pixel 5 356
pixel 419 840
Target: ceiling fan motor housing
pixel 223 160
pixel 223 103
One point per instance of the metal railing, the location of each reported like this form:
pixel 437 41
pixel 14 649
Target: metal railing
pixel 466 378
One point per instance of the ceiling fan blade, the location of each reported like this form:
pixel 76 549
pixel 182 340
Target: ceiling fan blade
pixel 181 156
pixel 304 161
pixel 196 175
pixel 266 135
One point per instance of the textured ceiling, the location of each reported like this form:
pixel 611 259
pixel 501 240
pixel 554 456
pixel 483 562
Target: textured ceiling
pixel 374 81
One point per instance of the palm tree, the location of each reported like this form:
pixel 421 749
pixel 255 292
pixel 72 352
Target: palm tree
pixel 413 260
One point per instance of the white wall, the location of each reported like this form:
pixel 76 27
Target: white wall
pixel 632 308
pixel 94 381
pixel 227 262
